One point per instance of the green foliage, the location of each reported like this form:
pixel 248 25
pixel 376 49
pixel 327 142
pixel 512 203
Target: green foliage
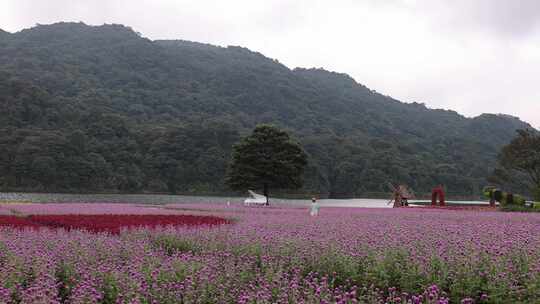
pixel 172 244
pixel 267 158
pixel 536 194
pixel 520 208
pixel 110 290
pixel 102 109
pixel 519 161
pixel 66 277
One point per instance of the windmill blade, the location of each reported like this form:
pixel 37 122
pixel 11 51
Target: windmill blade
pixel 392 198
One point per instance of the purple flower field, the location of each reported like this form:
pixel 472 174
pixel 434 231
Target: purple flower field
pixel 278 255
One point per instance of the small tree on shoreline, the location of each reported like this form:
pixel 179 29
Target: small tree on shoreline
pixel 267 158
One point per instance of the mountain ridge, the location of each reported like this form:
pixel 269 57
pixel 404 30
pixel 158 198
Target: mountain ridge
pixel 126 29
pixel 157 92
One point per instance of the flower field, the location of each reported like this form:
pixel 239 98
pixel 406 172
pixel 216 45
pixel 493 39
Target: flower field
pixel 274 255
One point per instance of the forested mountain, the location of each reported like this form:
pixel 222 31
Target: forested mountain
pixel 100 108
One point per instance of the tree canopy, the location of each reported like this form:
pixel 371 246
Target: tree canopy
pixel 521 160
pixel 267 158
pixel 100 108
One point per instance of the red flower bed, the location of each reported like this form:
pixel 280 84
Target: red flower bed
pixel 108 222
pixel 16 221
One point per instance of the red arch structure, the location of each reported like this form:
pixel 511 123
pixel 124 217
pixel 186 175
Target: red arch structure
pixel 437 192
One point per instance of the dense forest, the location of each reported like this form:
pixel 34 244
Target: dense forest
pixel 100 108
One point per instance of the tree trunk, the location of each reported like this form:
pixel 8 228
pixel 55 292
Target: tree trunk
pixel 265 193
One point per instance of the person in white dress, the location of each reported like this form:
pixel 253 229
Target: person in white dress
pixel 314 207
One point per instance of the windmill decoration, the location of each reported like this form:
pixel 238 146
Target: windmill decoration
pixel 400 195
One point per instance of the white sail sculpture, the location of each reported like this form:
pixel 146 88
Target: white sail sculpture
pixel 255 199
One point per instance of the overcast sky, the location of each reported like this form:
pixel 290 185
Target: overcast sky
pixel 471 56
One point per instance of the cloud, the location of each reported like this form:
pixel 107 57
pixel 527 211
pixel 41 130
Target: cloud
pixel 509 18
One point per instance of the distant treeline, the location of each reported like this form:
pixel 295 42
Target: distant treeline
pixel 102 109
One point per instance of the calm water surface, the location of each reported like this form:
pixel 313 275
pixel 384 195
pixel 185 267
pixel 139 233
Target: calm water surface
pixel 184 199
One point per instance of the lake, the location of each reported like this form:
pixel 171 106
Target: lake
pixel 160 199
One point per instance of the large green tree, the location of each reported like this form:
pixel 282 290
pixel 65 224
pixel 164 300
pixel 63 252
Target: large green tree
pixel 268 158
pixel 522 158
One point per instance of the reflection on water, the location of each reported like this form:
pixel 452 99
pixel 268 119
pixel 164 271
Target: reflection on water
pixel 184 199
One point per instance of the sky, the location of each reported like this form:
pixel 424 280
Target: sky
pixel 470 56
